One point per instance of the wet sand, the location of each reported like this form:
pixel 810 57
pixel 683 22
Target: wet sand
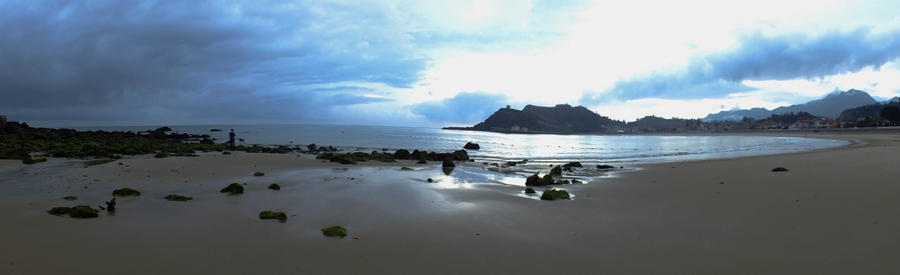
pixel 834 212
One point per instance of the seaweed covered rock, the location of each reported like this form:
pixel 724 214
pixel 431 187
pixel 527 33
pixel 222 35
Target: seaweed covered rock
pixel 234 188
pixel 334 231
pixel 126 192
pixel 536 180
pixel 272 215
pixel 58 211
pixel 258 174
pixel 605 166
pixel 779 169
pixel 70 198
pixel 174 197
pixel 402 154
pixel 111 205
pixel 404 168
pixel 472 146
pixel 421 161
pixel 554 194
pixel 382 157
pixel 274 186
pixel 529 190
pixel 80 212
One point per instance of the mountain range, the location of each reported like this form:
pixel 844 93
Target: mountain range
pixel 829 106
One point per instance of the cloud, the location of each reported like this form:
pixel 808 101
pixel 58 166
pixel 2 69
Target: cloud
pixel 466 107
pixel 148 60
pixel 761 57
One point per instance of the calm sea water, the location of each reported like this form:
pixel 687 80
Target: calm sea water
pixel 495 147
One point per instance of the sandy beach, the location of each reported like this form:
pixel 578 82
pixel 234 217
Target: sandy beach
pixel 834 212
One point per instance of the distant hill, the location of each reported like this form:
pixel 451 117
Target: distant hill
pixel 658 123
pixel 829 106
pixel 871 110
pixel 561 118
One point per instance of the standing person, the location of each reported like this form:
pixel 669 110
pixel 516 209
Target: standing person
pixel 231 139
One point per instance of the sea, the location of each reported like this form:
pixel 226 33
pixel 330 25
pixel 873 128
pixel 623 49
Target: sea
pixel 537 149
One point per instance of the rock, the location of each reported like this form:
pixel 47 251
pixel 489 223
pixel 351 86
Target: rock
pixel 430 180
pixel 535 180
pixel 259 174
pixel 70 198
pixel 460 155
pixel 334 231
pixel 779 169
pixel 80 212
pixel 57 211
pixel 568 166
pixel 554 194
pixel 577 182
pixel 234 188
pixel 472 146
pixel 448 163
pixel 422 161
pixel 604 166
pixel 402 154
pixel 511 163
pixel 272 215
pixel 174 197
pixel 275 186
pixel 226 153
pixel 529 191
pixel 556 171
pixel 161 155
pixel 126 192
pixel 215 130
pixel 404 168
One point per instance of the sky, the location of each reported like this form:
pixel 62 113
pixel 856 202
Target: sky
pixel 431 63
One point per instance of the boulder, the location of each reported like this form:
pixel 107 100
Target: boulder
pixel 472 146
pixel 554 194
pixel 430 180
pixel 234 188
pixel 529 191
pixel 126 192
pixel 274 186
pixel 334 231
pixel 272 215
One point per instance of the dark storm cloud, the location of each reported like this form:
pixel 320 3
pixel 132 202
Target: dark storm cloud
pixel 467 107
pixel 217 59
pixel 760 57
